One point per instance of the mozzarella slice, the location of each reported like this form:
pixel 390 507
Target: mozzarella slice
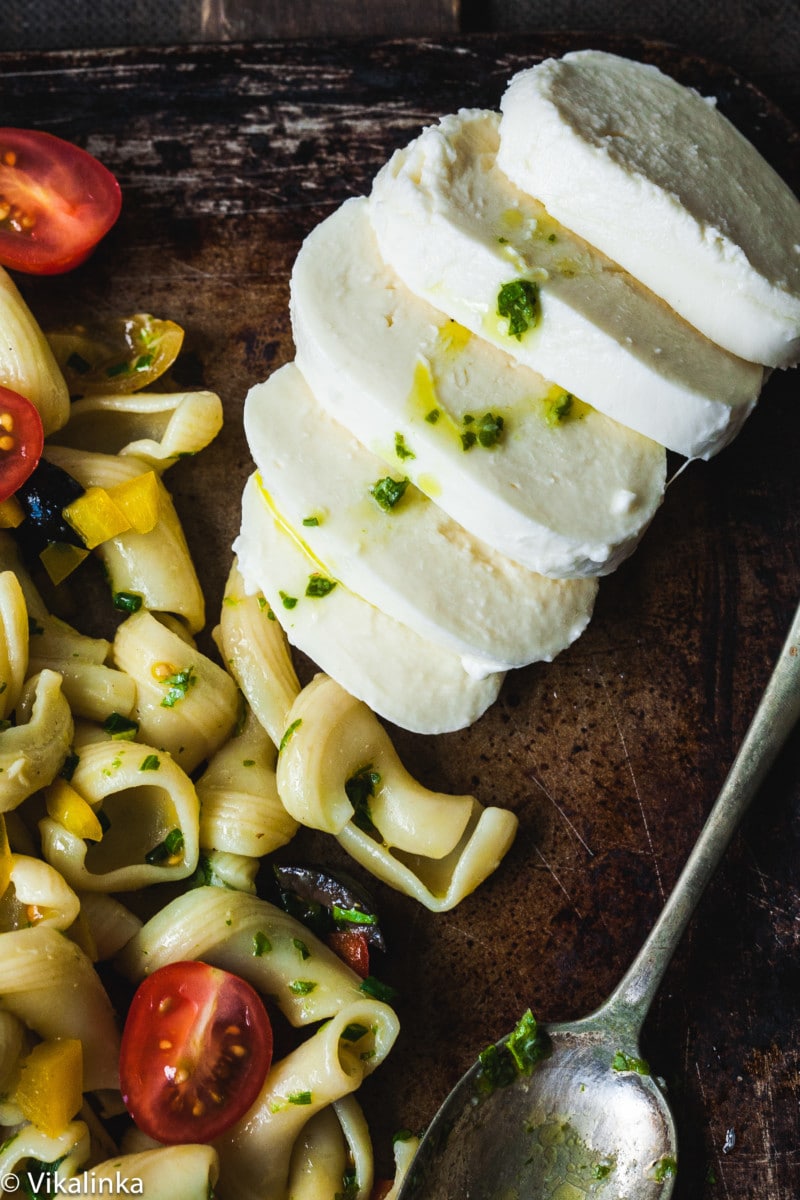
pixel 405 556
pixel 457 231
pixel 564 498
pixel 401 676
pixel 660 181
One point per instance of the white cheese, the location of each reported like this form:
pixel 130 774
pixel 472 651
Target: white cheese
pixel 408 558
pixel 657 178
pixel 401 676
pixel 564 497
pixel 457 230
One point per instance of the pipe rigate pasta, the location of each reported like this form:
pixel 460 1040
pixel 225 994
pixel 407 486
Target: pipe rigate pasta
pixel 185 703
pixel 157 427
pixel 256 651
pixel 13 642
pixel 33 751
pixel 151 810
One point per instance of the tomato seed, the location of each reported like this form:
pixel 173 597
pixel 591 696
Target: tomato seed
pixel 238 1051
pixel 7 421
pixel 198 1108
pixel 9 158
pixel 6 442
pixel 164 1044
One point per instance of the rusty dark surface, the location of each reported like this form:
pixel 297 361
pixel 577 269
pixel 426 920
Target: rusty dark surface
pixel 611 755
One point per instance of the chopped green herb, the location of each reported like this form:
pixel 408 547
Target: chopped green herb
pixel 379 991
pixel 602 1170
pixel 490 428
pixel 352 916
pixel 261 944
pixel 401 449
pixel 299 1098
pixel 388 492
pixel 178 685
pixel 319 586
pixel 359 788
pixel 526 1044
pixel 301 947
pixel 171 846
pixel 503 241
pixel 665 1168
pixel 127 602
pixel 552 238
pixel 302 987
pixel 500 1064
pixel 468 439
pixel 518 301
pixel 433 416
pixel 295 725
pixel 403 1135
pixel 287 601
pixel 150 762
pixel 558 409
pixel 310 521
pixel 349 1186
pixel 248 762
pixel 121 727
pixel 627 1062
pixel 354 1032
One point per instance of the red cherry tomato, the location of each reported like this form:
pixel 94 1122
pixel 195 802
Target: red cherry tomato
pixel 196 1048
pixel 56 202
pixel 21 440
pixel 353 947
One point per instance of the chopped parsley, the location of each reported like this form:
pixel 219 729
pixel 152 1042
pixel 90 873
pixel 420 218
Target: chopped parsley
pixel 301 948
pixel 127 602
pixel 310 522
pixel 287 601
pixel 299 1098
pixel 433 416
pixel 261 944
pixel 302 987
pixel 121 727
pixel 665 1168
pixel 518 302
pixel 359 789
pixel 379 991
pixel 68 766
pixel 319 586
pixel 500 1064
pixel 559 408
pixel 150 762
pixel 171 847
pixel 388 492
pixel 401 449
pixel 288 734
pixel 626 1062
pixel 354 1032
pixel 352 916
pixel 178 685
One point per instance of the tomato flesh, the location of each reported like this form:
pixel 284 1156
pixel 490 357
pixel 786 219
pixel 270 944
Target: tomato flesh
pixel 196 1048
pixel 56 202
pixel 352 946
pixel 21 440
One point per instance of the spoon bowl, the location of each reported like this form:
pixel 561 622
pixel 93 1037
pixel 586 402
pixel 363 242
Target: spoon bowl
pixel 586 1118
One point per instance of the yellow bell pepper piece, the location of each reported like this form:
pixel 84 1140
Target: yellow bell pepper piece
pixel 68 808
pixel 50 1088
pixel 6 861
pixel 11 513
pixel 138 499
pixel 60 559
pixel 96 517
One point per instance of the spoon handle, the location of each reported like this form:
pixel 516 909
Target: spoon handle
pixel 774 719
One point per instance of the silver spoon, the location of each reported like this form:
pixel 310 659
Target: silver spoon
pixel 589 1119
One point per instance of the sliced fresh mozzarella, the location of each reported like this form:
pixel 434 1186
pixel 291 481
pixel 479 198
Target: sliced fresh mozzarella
pixel 563 490
pixel 657 178
pixel 384 540
pixel 401 676
pixel 463 236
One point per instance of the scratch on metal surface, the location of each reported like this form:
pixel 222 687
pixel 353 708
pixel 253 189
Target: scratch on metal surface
pixel 560 884
pixel 634 781
pixel 569 824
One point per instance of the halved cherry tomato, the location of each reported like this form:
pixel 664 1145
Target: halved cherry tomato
pixel 21 440
pixel 56 202
pixel 196 1048
pixel 352 946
